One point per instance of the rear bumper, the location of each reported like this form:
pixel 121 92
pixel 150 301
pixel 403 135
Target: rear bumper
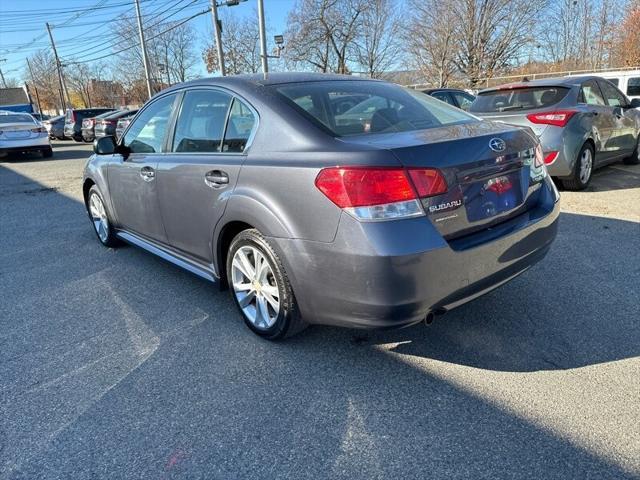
pixel 567 141
pixel 25 145
pixel 391 274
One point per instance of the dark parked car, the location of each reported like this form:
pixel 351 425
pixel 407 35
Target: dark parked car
pixel 122 125
pixel 107 125
pixel 311 216
pixel 74 118
pixel 452 96
pixel 41 117
pixel 55 127
pixel 583 122
pixel 89 125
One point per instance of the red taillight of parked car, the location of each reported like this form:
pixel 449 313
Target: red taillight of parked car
pixel 550 157
pixel 374 193
pixel 558 118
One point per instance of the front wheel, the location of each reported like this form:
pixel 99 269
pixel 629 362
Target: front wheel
pixel 100 219
pixel 582 170
pixel 261 288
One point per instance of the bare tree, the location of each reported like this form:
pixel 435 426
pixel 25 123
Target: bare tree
pixel 492 33
pixel 626 40
pixel 377 47
pixel 431 39
pixel 240 40
pixel 322 33
pixel 45 78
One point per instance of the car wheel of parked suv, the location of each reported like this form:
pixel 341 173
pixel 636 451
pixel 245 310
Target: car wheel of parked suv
pixel 100 219
pixel 634 159
pixel 582 170
pixel 47 153
pixel 261 288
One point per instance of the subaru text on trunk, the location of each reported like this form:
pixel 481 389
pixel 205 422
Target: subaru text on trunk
pixel 377 214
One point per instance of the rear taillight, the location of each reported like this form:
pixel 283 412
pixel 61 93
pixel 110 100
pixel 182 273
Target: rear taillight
pixel 550 157
pixel 380 193
pixel 559 118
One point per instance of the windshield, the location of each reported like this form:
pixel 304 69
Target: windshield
pixel 16 118
pixel 505 100
pixel 374 107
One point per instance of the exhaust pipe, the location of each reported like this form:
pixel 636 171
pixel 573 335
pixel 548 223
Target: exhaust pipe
pixel 431 316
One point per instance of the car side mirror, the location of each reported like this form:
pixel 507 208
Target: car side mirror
pixel 635 103
pixel 104 146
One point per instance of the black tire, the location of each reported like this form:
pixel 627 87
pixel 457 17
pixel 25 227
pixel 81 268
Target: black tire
pixel 47 153
pixel 634 159
pixel 288 321
pixel 110 240
pixel 77 139
pixel 575 183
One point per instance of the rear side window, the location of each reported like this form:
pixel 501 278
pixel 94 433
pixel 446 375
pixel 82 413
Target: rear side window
pixel 443 97
pixel 526 98
pixel 201 121
pixel 464 99
pixel 378 107
pixel 633 87
pixel 239 127
pixel 613 81
pixel 590 93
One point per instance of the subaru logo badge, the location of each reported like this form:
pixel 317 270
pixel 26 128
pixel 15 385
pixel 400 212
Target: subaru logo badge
pixel 497 145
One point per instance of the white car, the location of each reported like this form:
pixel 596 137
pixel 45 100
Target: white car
pixel 20 132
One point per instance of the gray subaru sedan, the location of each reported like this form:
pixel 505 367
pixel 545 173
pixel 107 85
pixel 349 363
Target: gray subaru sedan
pixel 322 199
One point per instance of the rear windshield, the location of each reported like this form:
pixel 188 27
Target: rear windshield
pixel 364 107
pixel 518 99
pixel 16 118
pixel 90 113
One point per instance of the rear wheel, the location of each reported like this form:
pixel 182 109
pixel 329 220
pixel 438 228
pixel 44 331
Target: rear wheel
pixel 47 153
pixel 634 159
pixel 102 224
pixel 260 287
pixel 582 170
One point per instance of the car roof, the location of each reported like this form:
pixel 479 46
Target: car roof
pixel 567 82
pixel 444 89
pixel 276 78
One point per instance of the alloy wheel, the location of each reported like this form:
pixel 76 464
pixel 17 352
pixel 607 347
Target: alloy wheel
pixel 255 287
pixel 99 216
pixel 586 165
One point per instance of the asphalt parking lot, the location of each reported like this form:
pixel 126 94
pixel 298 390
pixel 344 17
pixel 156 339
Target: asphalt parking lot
pixel 115 364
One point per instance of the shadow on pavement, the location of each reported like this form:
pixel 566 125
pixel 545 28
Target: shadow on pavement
pixel 616 176
pixel 114 364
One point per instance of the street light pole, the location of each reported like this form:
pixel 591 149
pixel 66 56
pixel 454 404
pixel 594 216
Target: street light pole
pixel 216 31
pixel 143 45
pixel 263 38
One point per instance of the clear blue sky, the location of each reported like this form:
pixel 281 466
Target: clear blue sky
pixel 86 34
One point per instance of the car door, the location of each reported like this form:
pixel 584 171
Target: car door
pixel 602 120
pixel 194 181
pixel 132 178
pixel 623 137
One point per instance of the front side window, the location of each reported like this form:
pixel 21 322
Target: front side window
pixel 590 93
pixel 201 121
pixel 612 96
pixel 239 127
pixel 633 87
pixel 377 107
pixel 147 133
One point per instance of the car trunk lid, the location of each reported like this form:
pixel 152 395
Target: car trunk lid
pixel 488 168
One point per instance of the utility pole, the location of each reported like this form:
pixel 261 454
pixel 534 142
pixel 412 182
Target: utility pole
pixel 2 76
pixel 263 38
pixel 216 30
pixel 143 45
pixel 63 88
pixel 33 81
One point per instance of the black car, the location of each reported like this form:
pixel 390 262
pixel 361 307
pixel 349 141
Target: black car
pixel 75 116
pixel 106 126
pixel 452 96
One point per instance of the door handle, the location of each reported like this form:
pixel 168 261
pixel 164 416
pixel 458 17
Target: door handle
pixel 216 178
pixel 147 173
